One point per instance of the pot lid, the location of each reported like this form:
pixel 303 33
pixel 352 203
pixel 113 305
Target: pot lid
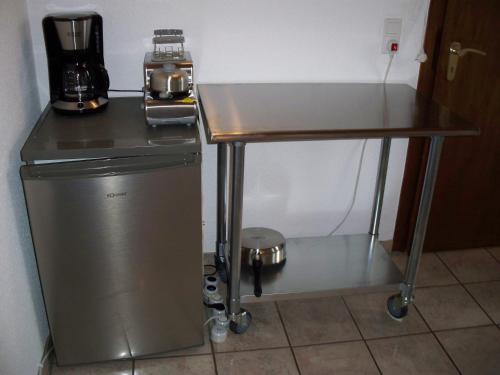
pixel 261 239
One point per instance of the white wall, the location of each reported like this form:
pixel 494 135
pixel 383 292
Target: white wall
pixel 297 188
pixel 23 326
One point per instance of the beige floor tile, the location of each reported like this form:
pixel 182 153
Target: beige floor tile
pixel 266 331
pixel 472 265
pixel 387 245
pixel 474 350
pixel 431 271
pixel 488 296
pixel 495 251
pixel 257 362
pixel 192 365
pixel 448 307
pixel 370 313
pixel 105 368
pixel 416 354
pixel 195 350
pixel 348 358
pixel 317 321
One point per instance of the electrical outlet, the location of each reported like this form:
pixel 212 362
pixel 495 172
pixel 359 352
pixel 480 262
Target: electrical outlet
pixel 392 35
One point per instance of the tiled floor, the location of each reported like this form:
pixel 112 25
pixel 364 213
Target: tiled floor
pixel 452 329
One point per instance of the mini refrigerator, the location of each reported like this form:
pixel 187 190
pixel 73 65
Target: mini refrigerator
pixel 115 214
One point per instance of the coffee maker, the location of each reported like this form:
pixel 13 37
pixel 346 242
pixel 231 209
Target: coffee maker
pixel 78 80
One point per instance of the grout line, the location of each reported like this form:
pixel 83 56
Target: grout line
pixel 477 302
pixel 489 252
pixel 251 350
pixel 328 343
pixel 436 285
pixel 417 286
pixel 481 282
pixel 386 337
pixel 422 316
pixel 352 317
pixel 456 276
pixel 446 352
pixel 287 337
pixel 372 356
pixel 462 328
pixel 469 293
pixel 342 341
pixel 437 339
pixel 438 257
pixel 462 285
pixel 167 355
pixel 447 267
pixel 398 336
pixel 362 337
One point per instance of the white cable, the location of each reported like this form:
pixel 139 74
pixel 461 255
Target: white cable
pixel 360 163
pixel 44 358
pixel 422 56
pixel 355 193
pixel 210 319
pixel 389 64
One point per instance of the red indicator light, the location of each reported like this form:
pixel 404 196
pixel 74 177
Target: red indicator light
pixel 394 47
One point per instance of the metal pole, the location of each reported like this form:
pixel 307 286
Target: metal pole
pixel 422 219
pixel 236 165
pixel 383 163
pixel 221 204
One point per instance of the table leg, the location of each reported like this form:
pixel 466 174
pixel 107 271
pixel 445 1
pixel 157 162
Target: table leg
pixel 397 305
pixel 221 243
pixel 240 319
pixel 383 163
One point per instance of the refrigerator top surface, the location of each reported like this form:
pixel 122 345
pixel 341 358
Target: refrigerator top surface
pixel 120 130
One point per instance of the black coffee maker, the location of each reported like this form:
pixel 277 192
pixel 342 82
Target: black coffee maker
pixel 78 80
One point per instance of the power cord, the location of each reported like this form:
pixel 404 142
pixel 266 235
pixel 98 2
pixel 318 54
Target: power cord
pixel 116 90
pixel 355 193
pixel 210 319
pixel 360 163
pixel 44 359
pixel 422 56
pixel 388 69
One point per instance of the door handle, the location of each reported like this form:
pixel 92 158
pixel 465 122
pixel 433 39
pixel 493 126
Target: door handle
pixel 455 52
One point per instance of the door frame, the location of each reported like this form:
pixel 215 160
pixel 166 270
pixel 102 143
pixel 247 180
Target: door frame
pixel 416 156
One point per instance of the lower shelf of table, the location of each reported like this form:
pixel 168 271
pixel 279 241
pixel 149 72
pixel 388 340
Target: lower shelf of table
pixel 322 266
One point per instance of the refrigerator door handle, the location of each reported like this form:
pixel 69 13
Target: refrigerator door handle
pixel 107 167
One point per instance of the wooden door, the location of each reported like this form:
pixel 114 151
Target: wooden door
pixel 466 205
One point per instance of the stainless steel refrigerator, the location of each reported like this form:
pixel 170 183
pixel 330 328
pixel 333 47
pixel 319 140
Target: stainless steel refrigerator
pixel 115 214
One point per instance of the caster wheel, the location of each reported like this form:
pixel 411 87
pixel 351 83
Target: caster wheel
pixel 221 269
pixel 241 322
pixel 395 308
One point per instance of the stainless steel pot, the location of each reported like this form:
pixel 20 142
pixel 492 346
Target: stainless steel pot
pixel 261 247
pixel 169 82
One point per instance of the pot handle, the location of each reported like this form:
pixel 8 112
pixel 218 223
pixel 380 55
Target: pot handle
pixel 257 276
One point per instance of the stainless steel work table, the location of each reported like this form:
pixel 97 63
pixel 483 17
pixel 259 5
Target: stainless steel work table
pixel 235 114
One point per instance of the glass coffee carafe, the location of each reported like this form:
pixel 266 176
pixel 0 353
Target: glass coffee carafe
pixel 77 83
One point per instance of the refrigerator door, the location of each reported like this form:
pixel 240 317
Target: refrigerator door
pixel 118 247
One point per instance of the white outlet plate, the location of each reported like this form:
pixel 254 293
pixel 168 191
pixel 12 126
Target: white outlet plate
pixel 392 33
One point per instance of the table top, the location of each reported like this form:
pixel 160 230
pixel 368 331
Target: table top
pixel 271 112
